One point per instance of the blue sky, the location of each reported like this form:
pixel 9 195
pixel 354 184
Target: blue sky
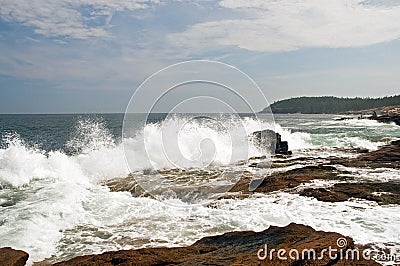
pixel 90 55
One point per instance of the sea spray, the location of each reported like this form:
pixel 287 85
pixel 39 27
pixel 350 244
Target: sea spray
pixel 53 203
pixel 90 134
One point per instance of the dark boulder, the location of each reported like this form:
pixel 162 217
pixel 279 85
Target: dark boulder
pixel 12 257
pixel 388 119
pixel 270 141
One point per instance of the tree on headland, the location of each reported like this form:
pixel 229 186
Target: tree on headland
pixel 331 105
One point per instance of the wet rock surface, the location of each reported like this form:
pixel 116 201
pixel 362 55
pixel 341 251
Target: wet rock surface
pixel 382 193
pixel 271 141
pixel 289 179
pixel 238 248
pixel 395 118
pixel 386 156
pixel 126 184
pixel 346 188
pixel 12 257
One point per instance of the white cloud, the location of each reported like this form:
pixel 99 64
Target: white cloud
pixel 284 25
pixel 80 66
pixel 65 17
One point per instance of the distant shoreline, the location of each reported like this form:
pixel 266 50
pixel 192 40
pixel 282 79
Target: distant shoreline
pixel 335 105
pixel 380 111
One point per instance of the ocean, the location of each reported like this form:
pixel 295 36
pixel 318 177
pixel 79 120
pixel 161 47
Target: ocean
pixel 55 203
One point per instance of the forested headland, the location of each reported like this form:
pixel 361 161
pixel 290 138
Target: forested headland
pixel 331 104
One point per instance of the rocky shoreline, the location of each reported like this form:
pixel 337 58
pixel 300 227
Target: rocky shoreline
pixel 231 251
pixel 346 187
pixel 390 114
pixel 243 248
pixel 389 119
pixel 294 244
pixel 240 248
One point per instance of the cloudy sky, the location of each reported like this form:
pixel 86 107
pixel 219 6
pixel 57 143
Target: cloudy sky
pixel 90 55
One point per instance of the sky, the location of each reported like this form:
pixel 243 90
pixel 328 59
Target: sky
pixel 78 56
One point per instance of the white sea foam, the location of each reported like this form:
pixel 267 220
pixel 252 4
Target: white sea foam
pixel 296 140
pixel 197 143
pixel 59 196
pixel 375 174
pixel 356 122
pixel 90 135
pixel 357 142
pixel 20 164
pixel 125 219
pixel 100 157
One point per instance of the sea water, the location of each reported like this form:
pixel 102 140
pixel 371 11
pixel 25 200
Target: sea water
pixel 55 206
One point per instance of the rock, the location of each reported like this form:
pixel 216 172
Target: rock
pixel 12 257
pixel 289 179
pixel 385 110
pixel 380 192
pixel 388 153
pixel 389 117
pixel 266 139
pixel 395 118
pixel 343 118
pixel 386 156
pixel 282 147
pixel 271 141
pixel 237 248
pixel 126 184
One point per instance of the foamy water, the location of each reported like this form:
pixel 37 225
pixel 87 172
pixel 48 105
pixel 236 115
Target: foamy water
pixel 53 203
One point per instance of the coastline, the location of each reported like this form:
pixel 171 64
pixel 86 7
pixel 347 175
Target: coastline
pixel 231 250
pixel 240 248
pixel 386 110
pixel 294 244
pixel 221 132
